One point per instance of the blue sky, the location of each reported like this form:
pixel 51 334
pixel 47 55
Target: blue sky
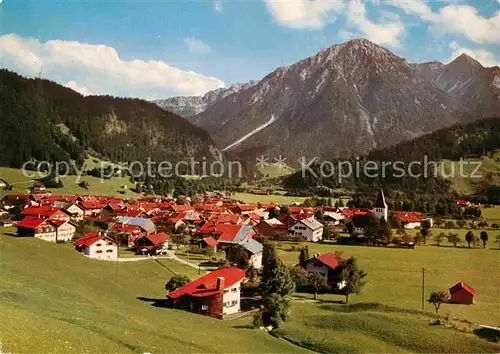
pixel 156 49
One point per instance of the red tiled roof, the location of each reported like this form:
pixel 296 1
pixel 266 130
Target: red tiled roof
pixel 464 286
pixel 30 222
pixel 158 238
pixel 88 239
pixel 179 208
pixel 43 211
pixel 246 207
pixel 225 218
pixel 329 259
pixel 210 241
pixel 207 284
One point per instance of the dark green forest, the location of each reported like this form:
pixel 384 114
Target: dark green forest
pixel 459 141
pixel 35 116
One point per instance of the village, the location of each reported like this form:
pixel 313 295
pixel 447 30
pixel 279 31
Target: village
pixel 226 237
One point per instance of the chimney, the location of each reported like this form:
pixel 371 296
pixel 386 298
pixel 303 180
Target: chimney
pixel 220 283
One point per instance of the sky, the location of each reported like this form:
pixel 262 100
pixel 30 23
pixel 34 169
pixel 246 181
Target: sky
pixel 163 48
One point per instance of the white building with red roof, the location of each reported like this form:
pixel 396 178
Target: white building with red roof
pixel 97 245
pixel 215 294
pixel 328 265
pixel 46 229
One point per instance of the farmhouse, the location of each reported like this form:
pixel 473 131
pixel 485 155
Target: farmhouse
pixel 463 294
pixel 97 245
pixel 310 229
pixel 46 212
pixel 271 228
pixel 233 234
pixel 209 242
pixel 409 219
pixel 75 211
pixel 152 244
pixel 215 294
pixel 329 266
pixel 252 248
pixel 46 229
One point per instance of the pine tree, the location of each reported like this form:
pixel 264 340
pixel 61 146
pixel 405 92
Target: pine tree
pixel 276 277
pixel 304 255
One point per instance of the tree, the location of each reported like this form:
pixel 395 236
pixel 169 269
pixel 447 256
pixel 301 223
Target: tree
pixel 275 310
pixel 437 298
pixel 484 238
pixel 300 277
pixel 176 282
pixel 273 214
pixel 372 228
pixel 469 238
pixel 426 233
pixel 440 238
pixel 353 277
pixel 304 255
pixel 238 255
pixel 276 277
pixel 454 239
pixel 318 283
pixel 385 231
pixel 252 274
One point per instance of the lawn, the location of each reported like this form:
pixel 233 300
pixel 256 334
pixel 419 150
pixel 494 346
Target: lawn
pixel 330 327
pixel 492 215
pixel 395 276
pixel 55 300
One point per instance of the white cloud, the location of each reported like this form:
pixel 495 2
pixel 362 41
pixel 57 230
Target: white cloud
pixel 455 19
pixel 99 69
pixel 304 14
pixel 196 46
pixel 75 87
pixel 218 6
pixel 483 56
pixel 386 33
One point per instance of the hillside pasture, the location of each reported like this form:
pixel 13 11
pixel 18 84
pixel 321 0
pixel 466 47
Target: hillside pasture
pixel 395 275
pixel 56 300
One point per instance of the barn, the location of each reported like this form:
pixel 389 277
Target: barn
pixel 463 294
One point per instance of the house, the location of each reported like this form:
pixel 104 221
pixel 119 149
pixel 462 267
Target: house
pixel 310 229
pixel 76 212
pixel 46 229
pixel 145 224
pixel 463 294
pixel 215 294
pixel 132 232
pixel 209 242
pixel 46 212
pixel 409 219
pixel 252 248
pixel 3 184
pixel 233 234
pixel 329 266
pixel 152 244
pixel 333 218
pixel 97 245
pixel 92 207
pixel 272 228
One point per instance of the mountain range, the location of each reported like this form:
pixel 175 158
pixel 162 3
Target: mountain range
pixel 345 100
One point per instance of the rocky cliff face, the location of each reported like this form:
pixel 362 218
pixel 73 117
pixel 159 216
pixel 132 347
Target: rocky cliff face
pixel 347 99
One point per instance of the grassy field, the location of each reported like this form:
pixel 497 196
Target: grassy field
pixel 491 214
pixel 329 327
pixel 55 300
pixel 489 171
pixel 109 187
pixel 395 276
pixel 257 198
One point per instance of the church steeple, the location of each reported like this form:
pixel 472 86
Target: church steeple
pixel 381 210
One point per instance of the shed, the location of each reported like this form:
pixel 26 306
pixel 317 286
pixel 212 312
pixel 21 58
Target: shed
pixel 463 294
